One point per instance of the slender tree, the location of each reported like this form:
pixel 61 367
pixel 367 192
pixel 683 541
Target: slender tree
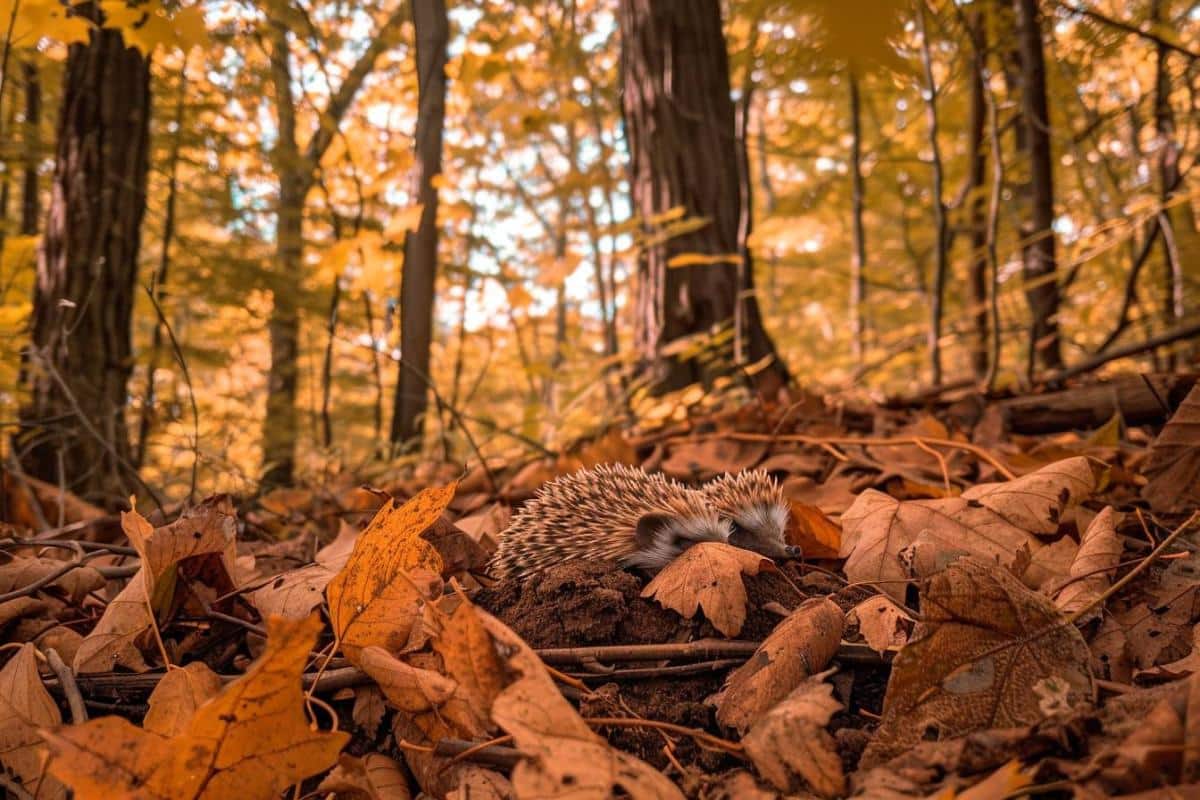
pixel 976 199
pixel 1038 248
pixel 939 205
pixel 81 354
pixel 31 146
pixel 680 126
pixel 858 245
pixel 421 246
pixel 296 169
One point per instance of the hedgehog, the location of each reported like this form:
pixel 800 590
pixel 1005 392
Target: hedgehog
pixel 618 514
pixel 757 511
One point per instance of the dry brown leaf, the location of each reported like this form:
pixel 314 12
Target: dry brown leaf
pixel 75 585
pixel 431 699
pixel 985 648
pixel 469 657
pixel 295 593
pixel 1005 782
pixel 1173 468
pixel 998 522
pixel 477 783
pixel 791 740
pixel 250 741
pixel 883 624
pixel 800 646
pixel 372 777
pixel 563 756
pixel 1099 551
pixel 378 597
pixel 813 531
pixel 177 696
pixel 709 576
pixel 1036 502
pixel 120 635
pixel 22 607
pixel 833 496
pixel 708 458
pixel 26 707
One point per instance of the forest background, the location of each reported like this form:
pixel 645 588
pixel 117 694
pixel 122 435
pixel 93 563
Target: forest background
pixel 289 239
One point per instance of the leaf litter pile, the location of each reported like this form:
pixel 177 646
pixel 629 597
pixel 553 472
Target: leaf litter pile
pixel 978 615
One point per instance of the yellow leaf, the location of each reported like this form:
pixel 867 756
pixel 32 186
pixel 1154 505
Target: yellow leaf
pixel 251 741
pixel 377 597
pixel 860 36
pixel 403 221
pixel 36 19
pixel 703 259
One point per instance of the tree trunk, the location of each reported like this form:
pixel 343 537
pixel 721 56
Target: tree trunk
pixel 679 122
pixel 421 246
pixel 31 146
pixel 1040 268
pixel 1169 178
pixel 939 207
pixel 977 272
pixel 858 249
pixel 87 271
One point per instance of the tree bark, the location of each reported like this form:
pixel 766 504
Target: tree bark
pixel 977 272
pixel 1038 250
pixel 295 170
pixel 858 246
pixel 31 146
pixel 1169 178
pixel 87 271
pixel 939 207
pixel 680 125
pixel 421 246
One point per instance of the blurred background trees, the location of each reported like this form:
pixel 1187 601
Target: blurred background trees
pixel 280 239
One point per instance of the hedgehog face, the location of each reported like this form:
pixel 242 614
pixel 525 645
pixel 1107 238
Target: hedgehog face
pixel 757 511
pixel 661 537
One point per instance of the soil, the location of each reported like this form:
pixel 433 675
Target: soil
pixel 580 604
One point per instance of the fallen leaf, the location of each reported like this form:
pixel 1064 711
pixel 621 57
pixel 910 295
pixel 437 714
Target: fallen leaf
pixel 74 585
pixel 251 741
pixel 883 624
pixel 372 777
pixel 26 707
pixel 708 575
pixel 800 646
pixel 563 757
pixel 791 740
pixel 1092 570
pixel 708 458
pixel 983 641
pixel 1036 502
pixel 378 596
pixel 1173 468
pixel 177 696
pixel 118 637
pixel 809 528
pixel 428 697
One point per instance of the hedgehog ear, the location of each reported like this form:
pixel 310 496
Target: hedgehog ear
pixel 650 527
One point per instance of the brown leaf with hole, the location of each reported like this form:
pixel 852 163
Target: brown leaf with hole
pixel 250 741
pixel 984 642
pixel 1173 468
pixel 372 777
pixel 378 597
pixel 883 624
pixel 295 593
pixel 177 696
pixel 26 707
pixel 469 657
pixel 1092 570
pixel 791 740
pixel 563 757
pixel 708 576
pixel 800 646
pixel 1036 502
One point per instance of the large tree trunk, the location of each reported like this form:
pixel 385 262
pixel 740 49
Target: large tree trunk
pixel 679 122
pixel 87 271
pixel 421 246
pixel 1040 267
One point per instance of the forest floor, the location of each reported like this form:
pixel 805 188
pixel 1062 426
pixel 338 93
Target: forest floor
pixel 997 599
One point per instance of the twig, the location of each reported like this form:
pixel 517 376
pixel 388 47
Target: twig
pixel 15 789
pixel 1133 573
pixel 51 577
pixel 70 689
pixel 187 378
pixel 640 673
pixel 700 736
pixel 68 544
pixel 493 755
pixel 702 648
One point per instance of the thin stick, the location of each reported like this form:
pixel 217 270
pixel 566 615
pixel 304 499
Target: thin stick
pixel 70 689
pixel 1139 569
pixel 700 736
